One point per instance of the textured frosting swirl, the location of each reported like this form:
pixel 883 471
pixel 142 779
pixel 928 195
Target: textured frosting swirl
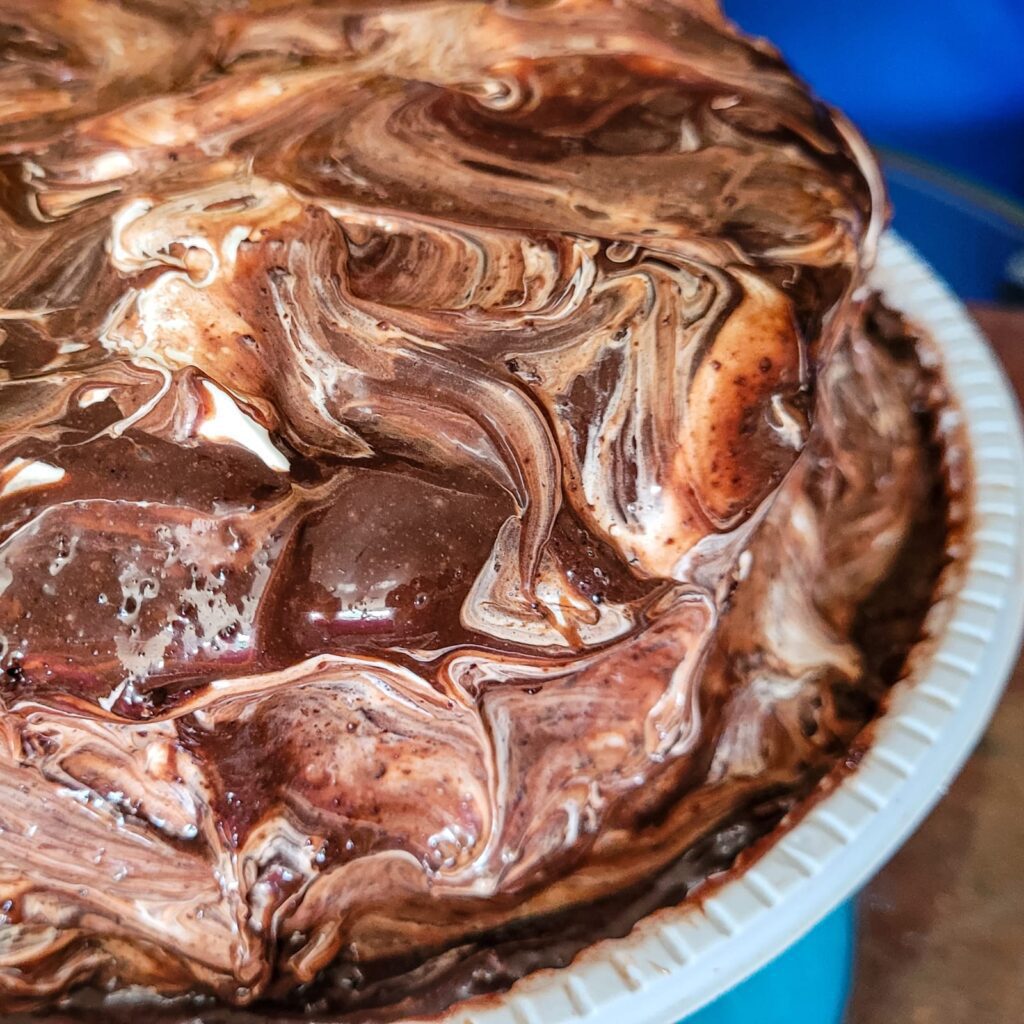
pixel 439 470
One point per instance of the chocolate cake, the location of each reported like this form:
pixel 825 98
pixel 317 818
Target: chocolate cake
pixel 457 492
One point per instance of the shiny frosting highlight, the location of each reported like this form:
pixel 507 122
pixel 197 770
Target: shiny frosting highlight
pixel 440 467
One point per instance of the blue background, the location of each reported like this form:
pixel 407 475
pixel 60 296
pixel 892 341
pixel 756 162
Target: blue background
pixel 941 79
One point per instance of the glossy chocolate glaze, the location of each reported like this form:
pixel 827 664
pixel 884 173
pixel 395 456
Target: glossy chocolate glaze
pixel 443 478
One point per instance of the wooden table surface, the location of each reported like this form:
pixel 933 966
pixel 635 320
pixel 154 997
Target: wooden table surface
pixel 942 927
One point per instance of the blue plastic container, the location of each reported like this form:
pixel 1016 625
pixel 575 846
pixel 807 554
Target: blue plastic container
pixel 808 984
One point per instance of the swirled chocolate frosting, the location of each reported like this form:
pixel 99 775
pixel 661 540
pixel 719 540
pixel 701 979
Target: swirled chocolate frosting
pixel 442 471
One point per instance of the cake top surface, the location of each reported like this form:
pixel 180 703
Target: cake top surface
pixel 393 311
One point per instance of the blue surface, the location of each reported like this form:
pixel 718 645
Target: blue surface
pixel 969 235
pixel 943 81
pixel 808 984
